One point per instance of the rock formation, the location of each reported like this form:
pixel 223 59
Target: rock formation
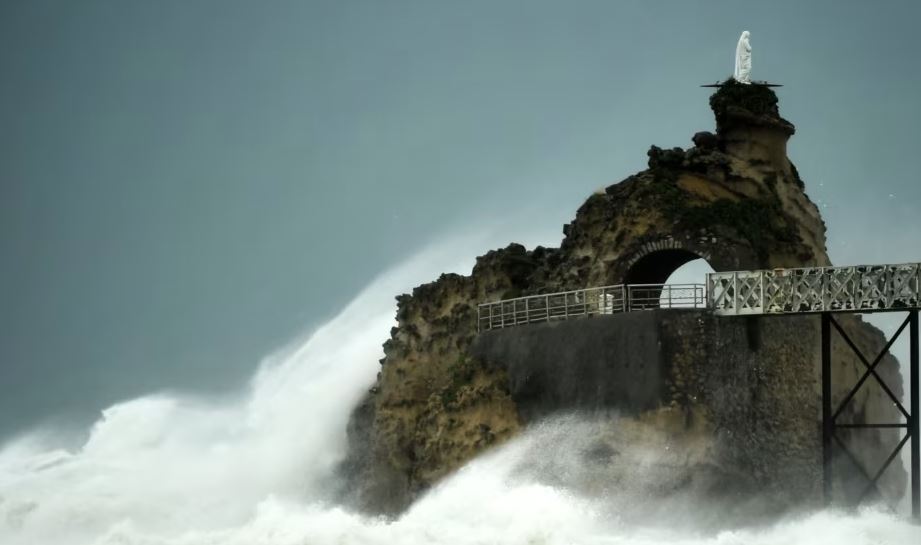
pixel 444 394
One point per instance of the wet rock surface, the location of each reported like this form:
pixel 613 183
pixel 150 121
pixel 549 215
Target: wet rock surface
pixel 745 387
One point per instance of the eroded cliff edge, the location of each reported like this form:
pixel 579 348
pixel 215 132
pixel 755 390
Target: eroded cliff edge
pixel 444 394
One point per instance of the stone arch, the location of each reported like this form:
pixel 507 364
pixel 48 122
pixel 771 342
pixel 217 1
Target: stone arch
pixel 651 259
pixel 648 268
pixel 656 267
pixel 656 261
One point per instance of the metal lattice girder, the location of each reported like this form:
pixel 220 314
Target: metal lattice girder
pixel 862 288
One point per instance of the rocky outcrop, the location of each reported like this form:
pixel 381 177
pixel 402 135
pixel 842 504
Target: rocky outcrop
pixel 733 199
pixel 433 406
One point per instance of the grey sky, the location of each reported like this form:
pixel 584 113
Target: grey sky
pixel 185 185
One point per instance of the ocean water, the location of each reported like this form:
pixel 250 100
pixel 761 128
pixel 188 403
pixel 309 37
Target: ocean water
pixel 258 468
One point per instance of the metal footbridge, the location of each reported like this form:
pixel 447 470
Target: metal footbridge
pixel 810 290
pixel 825 291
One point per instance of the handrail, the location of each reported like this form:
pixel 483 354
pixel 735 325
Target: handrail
pixel 612 299
pixel 856 288
pixel 553 293
pixel 658 296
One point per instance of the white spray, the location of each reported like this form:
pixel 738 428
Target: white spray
pixel 171 470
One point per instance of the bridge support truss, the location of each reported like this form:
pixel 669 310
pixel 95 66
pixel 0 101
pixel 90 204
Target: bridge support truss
pixel 830 439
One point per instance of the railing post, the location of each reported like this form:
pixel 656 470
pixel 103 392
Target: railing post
pixel 565 305
pixel 735 292
pixel 707 281
pixel 547 306
pixel 917 293
pixel 827 303
pixel 527 310
pixel 708 291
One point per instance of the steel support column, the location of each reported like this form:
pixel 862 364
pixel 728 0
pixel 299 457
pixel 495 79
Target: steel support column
pixel 828 428
pixel 913 428
pixel 911 415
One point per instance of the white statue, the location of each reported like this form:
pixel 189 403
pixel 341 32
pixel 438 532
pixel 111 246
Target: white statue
pixel 743 73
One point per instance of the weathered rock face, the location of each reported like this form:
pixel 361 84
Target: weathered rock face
pixel 433 407
pixel 733 199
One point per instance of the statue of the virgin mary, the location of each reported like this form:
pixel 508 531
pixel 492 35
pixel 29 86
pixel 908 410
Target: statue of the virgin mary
pixel 743 71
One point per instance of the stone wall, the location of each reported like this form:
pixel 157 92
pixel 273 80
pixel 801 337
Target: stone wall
pixel 590 364
pixel 744 387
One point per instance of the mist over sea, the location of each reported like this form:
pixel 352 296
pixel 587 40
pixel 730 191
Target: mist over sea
pixel 259 467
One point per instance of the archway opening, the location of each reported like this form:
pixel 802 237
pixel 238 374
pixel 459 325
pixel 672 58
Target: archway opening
pixel 692 272
pixel 673 278
pixel 656 267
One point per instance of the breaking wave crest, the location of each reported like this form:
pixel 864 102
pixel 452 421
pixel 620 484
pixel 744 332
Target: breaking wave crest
pixel 258 468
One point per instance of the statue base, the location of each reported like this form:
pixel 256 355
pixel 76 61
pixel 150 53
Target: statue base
pixel 759 83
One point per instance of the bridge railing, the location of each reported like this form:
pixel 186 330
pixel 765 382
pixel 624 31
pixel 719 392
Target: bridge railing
pixel 865 288
pixel 860 288
pixel 653 296
pixel 590 301
pixel 551 306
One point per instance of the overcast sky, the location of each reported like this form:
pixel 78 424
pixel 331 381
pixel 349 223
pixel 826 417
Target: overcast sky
pixel 186 185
